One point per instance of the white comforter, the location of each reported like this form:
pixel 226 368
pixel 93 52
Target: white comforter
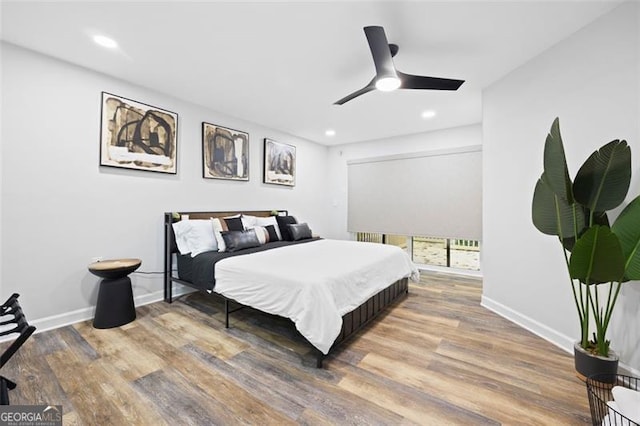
pixel 314 283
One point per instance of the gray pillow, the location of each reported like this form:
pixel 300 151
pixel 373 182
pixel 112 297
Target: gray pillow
pixel 299 231
pixel 238 240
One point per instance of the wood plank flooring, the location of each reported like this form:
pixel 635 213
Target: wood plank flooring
pixel 437 357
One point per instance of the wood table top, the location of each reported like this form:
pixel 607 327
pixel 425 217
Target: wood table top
pixel 105 265
pixel 114 268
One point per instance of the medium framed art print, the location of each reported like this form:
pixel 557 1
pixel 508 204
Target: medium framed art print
pixel 225 153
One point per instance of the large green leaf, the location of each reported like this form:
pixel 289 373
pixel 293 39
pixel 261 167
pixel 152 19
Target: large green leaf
pixel 597 257
pixel 552 214
pixel 555 164
pixel 627 228
pixel 603 180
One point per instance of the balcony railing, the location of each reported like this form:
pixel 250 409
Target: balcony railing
pixel 370 237
pixel 450 252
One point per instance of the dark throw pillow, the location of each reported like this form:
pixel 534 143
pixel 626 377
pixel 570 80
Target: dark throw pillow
pixel 273 235
pixel 283 222
pixel 299 231
pixel 238 240
pixel 234 224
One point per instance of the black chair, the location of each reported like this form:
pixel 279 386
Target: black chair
pixel 11 313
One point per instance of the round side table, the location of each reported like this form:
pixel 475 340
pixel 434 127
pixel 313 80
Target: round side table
pixel 115 298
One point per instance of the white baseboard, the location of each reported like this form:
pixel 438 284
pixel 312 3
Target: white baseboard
pixel 560 340
pixel 628 371
pixel 68 318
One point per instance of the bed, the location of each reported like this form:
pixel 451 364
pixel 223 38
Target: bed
pixel 328 305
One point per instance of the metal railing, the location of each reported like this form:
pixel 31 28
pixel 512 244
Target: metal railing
pixel 370 237
pixel 438 250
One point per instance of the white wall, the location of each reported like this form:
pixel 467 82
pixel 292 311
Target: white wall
pixel 60 209
pixel 339 155
pixel 591 81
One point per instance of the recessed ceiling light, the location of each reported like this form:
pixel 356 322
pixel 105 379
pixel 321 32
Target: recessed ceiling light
pixel 330 132
pixel 428 113
pixel 105 41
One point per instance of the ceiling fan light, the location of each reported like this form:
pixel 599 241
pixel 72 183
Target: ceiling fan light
pixel 387 84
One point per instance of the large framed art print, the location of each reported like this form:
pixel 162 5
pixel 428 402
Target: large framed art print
pixel 279 163
pixel 225 153
pixel 137 136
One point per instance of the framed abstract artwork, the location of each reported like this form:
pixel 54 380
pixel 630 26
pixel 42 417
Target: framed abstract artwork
pixel 137 136
pixel 225 153
pixel 279 163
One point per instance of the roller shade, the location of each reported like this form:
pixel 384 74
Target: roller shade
pixel 435 193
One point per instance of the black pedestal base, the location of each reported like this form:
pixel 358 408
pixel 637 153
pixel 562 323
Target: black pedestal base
pixel 115 303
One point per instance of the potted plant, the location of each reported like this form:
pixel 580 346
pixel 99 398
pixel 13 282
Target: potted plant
pixel 599 257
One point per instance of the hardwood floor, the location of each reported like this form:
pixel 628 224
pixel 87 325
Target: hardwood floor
pixel 435 358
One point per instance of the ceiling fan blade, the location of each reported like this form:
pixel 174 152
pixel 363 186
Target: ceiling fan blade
pixel 409 81
pixel 387 76
pixel 380 51
pixel 369 87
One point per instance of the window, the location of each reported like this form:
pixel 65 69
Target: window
pixel 430 251
pixel 465 254
pixel 447 252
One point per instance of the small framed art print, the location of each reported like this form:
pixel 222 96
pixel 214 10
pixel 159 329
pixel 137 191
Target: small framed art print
pixel 279 163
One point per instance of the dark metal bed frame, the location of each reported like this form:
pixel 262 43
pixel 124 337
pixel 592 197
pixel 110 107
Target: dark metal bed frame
pixel 352 322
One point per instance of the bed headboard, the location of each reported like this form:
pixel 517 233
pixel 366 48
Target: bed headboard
pixel 208 215
pixel 170 240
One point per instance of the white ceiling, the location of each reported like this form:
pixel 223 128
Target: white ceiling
pixel 283 64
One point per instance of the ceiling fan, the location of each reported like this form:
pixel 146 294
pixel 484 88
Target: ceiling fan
pixel 387 77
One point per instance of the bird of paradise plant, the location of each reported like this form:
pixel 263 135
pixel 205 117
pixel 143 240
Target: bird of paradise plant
pixel 599 257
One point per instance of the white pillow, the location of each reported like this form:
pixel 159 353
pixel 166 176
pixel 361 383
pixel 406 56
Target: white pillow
pixel 261 233
pixel 194 236
pixel 628 402
pixel 266 221
pixel 217 229
pixel 248 221
pixel 181 229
